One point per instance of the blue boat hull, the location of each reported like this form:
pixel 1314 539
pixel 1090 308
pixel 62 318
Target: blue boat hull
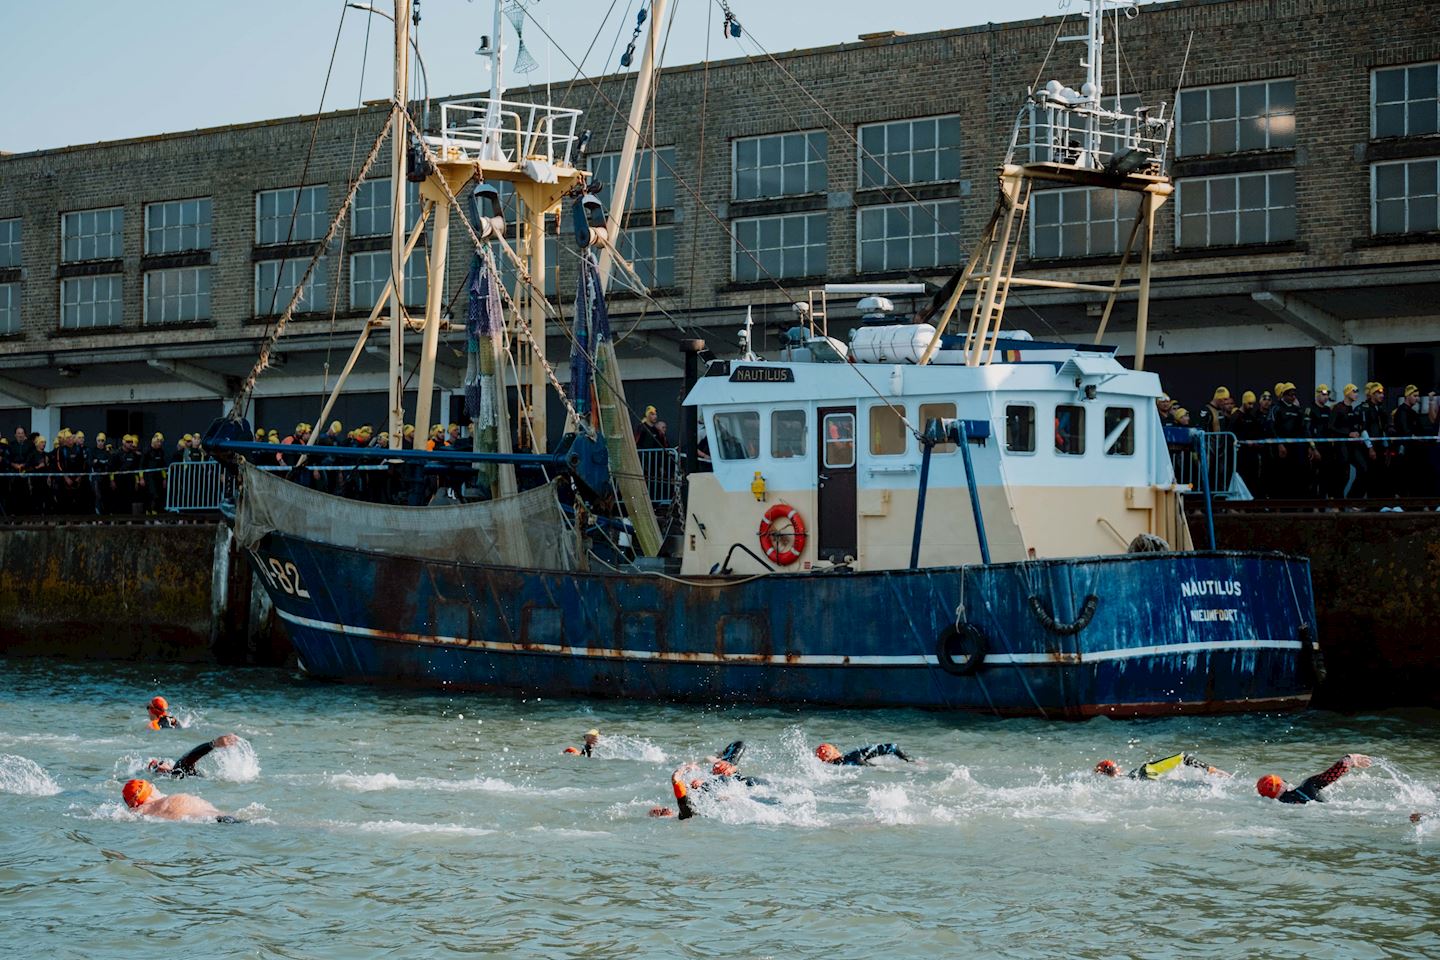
pixel 1164 633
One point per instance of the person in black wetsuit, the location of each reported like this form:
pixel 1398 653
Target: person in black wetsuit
pixel 592 737
pixel 185 766
pixel 160 718
pixel 1155 769
pixel 722 770
pixel 861 757
pixel 1311 790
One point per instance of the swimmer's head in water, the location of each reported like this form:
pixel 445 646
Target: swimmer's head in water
pixel 137 792
pixel 159 707
pixel 1108 767
pixel 827 752
pixel 723 768
pixel 1270 786
pixel 661 812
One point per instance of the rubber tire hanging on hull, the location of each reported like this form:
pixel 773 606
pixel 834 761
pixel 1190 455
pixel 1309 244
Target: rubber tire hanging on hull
pixel 966 641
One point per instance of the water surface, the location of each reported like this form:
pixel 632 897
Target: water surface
pixel 393 822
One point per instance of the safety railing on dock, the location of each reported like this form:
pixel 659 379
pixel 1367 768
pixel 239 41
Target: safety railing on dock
pixel 1220 456
pixel 196 485
pixel 661 468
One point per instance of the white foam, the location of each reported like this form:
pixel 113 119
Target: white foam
pixel 621 747
pixel 25 777
pixel 402 826
pixel 890 804
pixel 371 782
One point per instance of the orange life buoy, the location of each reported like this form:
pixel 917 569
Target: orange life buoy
pixel 782 511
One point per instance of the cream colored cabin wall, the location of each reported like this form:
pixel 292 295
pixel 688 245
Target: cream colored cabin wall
pixel 949 536
pixel 1085 521
pixel 731 518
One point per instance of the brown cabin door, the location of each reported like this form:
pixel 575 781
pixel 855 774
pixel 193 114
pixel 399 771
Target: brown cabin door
pixel 836 483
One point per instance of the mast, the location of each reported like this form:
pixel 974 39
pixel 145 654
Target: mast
pixel 398 140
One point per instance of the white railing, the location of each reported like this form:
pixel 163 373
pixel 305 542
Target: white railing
pixel 661 468
pixel 196 485
pixel 1091 138
pixel 515 132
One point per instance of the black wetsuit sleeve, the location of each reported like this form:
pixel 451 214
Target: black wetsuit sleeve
pixel 687 810
pixel 185 766
pixel 863 756
pixel 586 750
pixel 1312 788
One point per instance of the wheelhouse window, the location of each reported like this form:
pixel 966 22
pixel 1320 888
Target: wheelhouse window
pixel 1231 211
pixel 787 434
pixel 937 411
pixel 793 245
pixel 1405 196
pixel 780 165
pixel 1119 432
pixel 1069 429
pixel 1236 118
pixel 903 236
pixel 887 430
pixel 738 434
pixel 1405 101
pixel 274 210
pixel 93 234
pixel 1019 428
pixel 839 439
pixel 910 151
pixel 1081 222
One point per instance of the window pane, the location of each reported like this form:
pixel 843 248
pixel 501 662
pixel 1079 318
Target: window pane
pixel 1020 429
pixel 1389 180
pixel 739 435
pixel 787 434
pixel 1390 120
pixel 839 440
pixel 887 430
pixel 1069 429
pixel 1119 431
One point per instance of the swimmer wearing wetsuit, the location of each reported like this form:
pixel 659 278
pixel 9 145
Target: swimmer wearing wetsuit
pixel 592 737
pixel 185 766
pixel 1312 789
pixel 829 753
pixel 722 769
pixel 1156 769
pixel 142 797
pixel 160 718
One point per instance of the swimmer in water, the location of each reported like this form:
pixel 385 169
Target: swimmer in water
pixel 592 737
pixel 142 797
pixel 185 766
pixel 1311 790
pixel 1156 769
pixel 861 757
pixel 722 770
pixel 160 718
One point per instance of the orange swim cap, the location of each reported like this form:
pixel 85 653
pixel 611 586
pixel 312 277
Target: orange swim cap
pixel 158 706
pixel 1108 767
pixel 1270 786
pixel 137 792
pixel 723 768
pixel 827 752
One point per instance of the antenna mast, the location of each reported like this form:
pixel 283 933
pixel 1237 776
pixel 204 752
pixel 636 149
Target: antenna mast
pixel 398 140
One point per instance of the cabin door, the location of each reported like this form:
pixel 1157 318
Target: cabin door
pixel 836 483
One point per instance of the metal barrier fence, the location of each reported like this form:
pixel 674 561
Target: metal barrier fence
pixel 1221 453
pixel 662 474
pixel 195 485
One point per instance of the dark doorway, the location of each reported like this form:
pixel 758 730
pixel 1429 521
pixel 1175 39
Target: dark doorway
pixel 836 483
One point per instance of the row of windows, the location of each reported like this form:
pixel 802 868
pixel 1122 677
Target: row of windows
pixel 738 433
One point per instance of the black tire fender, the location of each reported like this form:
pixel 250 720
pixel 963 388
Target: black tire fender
pixel 961 649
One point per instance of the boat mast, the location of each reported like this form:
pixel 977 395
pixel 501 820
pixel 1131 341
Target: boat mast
pixel 398 140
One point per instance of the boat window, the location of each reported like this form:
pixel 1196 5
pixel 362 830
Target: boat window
pixel 887 430
pixel 1019 428
pixel 840 440
pixel 739 435
pixel 937 411
pixel 1119 432
pixel 787 434
pixel 1069 429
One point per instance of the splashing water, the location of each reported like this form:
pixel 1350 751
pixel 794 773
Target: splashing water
pixel 20 775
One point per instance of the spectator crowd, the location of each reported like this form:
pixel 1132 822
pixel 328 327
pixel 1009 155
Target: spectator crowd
pixel 76 477
pixel 1356 447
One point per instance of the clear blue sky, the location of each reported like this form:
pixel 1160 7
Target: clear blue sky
pixel 78 71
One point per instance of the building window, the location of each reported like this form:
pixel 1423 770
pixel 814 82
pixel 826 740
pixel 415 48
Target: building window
pixel 650 250
pixel 177 296
pixel 910 151
pixel 1405 101
pixel 10 243
pixel 787 434
pixel 1119 432
pixel 793 245
pixel 177 225
pixel 274 209
pixel 370 213
pixel 93 234
pixel 91 302
pixel 1405 196
pixel 839 439
pixel 887 430
pixel 651 184
pixel 1019 428
pixel 1230 119
pixel 937 411
pixel 369 273
pixel 1081 222
pixel 739 435
pixel 275 282
pixel 9 308
pixel 1069 429
pixel 781 165
pixel 1233 210
pixel 908 235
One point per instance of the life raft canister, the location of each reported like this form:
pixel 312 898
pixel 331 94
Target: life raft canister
pixel 782 511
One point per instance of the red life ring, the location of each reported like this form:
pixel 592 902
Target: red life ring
pixel 796 533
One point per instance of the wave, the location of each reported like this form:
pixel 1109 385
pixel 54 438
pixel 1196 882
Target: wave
pixel 25 777
pixel 403 826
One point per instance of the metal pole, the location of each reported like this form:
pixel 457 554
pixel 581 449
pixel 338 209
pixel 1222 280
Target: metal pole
pixel 1201 442
pixel 434 298
pixel 974 494
pixel 398 140
pixel 929 445
pixel 689 420
pixel 1142 313
pixel 535 297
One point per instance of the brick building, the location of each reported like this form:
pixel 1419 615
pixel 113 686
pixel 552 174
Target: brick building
pixel 1302 244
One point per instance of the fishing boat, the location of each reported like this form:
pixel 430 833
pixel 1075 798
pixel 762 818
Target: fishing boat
pixel 921 516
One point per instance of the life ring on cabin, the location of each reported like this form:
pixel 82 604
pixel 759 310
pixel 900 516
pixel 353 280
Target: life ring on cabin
pixel 796 533
pixel 962 649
